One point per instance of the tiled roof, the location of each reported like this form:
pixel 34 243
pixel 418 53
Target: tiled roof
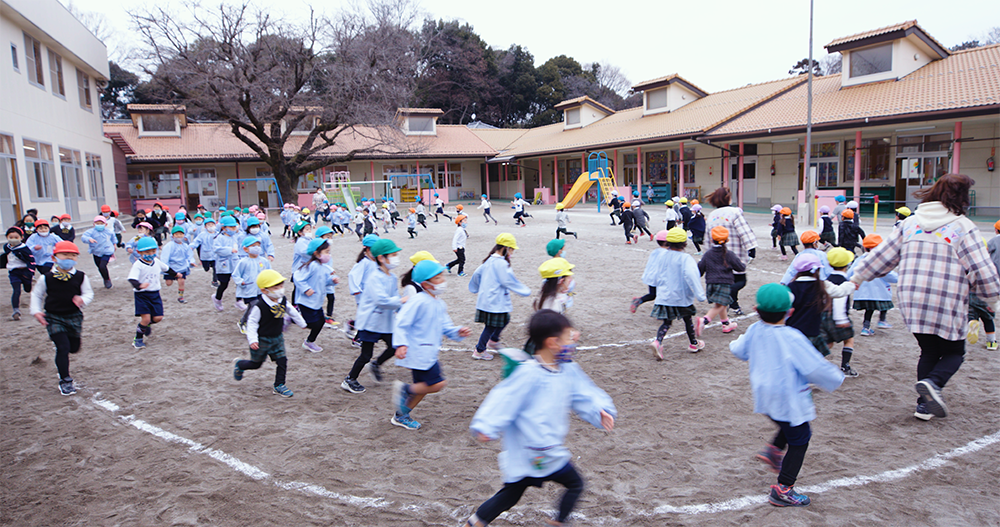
pixel 965 79
pixel 499 138
pixel 579 101
pixel 420 111
pixel 665 80
pixel 872 33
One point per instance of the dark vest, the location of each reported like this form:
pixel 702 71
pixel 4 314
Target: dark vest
pixel 827 224
pixel 837 279
pixel 59 294
pixel 270 325
pixel 806 317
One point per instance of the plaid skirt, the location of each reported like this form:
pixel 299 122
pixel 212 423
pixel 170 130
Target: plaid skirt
pixel 493 320
pixel 835 334
pixel 819 342
pixel 873 305
pixel 719 294
pixel 273 346
pixel 662 312
pixel 71 323
pixel 828 237
pixel 790 239
pixel 774 232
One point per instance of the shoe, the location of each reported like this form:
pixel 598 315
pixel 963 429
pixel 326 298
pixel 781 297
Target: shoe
pixel 449 270
pixel 462 274
pixel 657 349
pixel 973 335
pixel 867 332
pixel 628 242
pixel 782 496
pixel 697 253
pixel 482 356
pixel 217 303
pixel 575 237
pixel 405 421
pixel 991 346
pixel 699 325
pixel 736 311
pixel 922 413
pixel 695 348
pixel 783 258
pixel 240 305
pixel 932 397
pixel 215 283
pixel 331 323
pixel 650 237
pixel 849 371
pixel 66 387
pixel 884 325
pixel 636 302
pixel 283 390
pixel 493 345
pixel 399 397
pixel 237 372
pixel 242 328
pixel 108 284
pixel 311 346
pixel 375 370
pixel 771 457
pixel 635 239
pixel 138 344
pixel 181 300
pixel 730 327
pixel 16 315
pixel 353 386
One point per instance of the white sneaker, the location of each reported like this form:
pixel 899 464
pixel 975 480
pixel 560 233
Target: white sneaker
pixel 482 356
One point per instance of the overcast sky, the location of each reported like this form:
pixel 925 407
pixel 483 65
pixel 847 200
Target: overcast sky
pixel 716 45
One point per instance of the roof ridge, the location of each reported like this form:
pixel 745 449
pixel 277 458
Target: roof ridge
pixel 980 48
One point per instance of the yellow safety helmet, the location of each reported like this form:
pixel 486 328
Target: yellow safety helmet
pixel 269 278
pixel 555 268
pixel 839 257
pixel 677 235
pixel 420 256
pixel 507 240
pixel 560 206
pixel 670 203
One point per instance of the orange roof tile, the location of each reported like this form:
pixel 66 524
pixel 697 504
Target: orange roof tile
pixel 420 111
pixel 965 79
pixel 581 100
pixel 665 80
pixel 499 138
pixel 908 27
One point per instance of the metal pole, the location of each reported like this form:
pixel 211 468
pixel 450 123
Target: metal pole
pixel 809 113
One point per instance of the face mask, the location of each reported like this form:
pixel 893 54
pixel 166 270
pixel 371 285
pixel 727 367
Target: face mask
pixel 325 258
pixel 178 222
pixel 393 262
pixel 43 234
pixel 29 224
pixel 65 225
pixel 253 250
pixel 440 287
pixel 178 240
pixel 566 353
pixel 464 223
pixel 157 210
pixel 198 222
pixel 308 235
pixel 276 294
pixel 254 230
pixel 148 258
pixel 14 242
pixel 231 232
pixel 210 228
pixel 65 264
pixel 106 214
pixel 99 228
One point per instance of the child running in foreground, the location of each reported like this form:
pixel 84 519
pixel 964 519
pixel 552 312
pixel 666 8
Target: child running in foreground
pixel 179 259
pixel 311 279
pixel 101 244
pixel 56 301
pixel 20 265
pixel 529 411
pixel 840 328
pixel 718 266
pixel 678 285
pixel 697 227
pixel 850 233
pixel 812 299
pixel 265 324
pixel 417 333
pixel 484 204
pixel 145 279
pixel 557 282
pixel 875 294
pixel 493 282
pixel 782 366
pixel 653 266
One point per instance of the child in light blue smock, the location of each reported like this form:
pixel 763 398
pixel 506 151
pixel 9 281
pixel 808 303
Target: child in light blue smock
pixel 226 249
pixel 310 289
pixel 529 411
pixel 653 264
pixel 875 294
pixel 417 333
pixel 305 234
pixel 204 245
pixel 245 274
pixel 783 365
pixel 678 286
pixel 493 282
pixel 810 240
pixel 101 242
pixel 41 244
pixel 179 257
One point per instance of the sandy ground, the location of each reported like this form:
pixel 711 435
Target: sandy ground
pixel 685 436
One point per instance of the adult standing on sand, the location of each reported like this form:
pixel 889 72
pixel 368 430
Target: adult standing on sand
pixel 318 198
pixel 941 258
pixel 741 238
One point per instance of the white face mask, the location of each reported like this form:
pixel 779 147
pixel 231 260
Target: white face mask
pixel 440 287
pixel 43 234
pixel 254 230
pixel 308 235
pixel 210 228
pixel 393 262
pixel 65 225
pixel 276 294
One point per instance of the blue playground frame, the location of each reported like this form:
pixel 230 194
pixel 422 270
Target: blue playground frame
pixel 275 180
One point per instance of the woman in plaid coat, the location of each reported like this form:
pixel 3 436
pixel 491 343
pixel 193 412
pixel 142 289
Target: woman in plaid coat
pixel 941 259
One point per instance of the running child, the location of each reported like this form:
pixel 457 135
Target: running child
pixel 264 326
pixel 331 295
pixel 179 259
pixel 256 229
pixel 55 303
pixel 311 278
pixel 782 368
pixel 439 208
pixel 775 223
pixel 839 208
pixel 41 243
pixel 145 279
pixel 718 265
pixel 875 294
pixel 411 288
pixel 813 297
pixel 671 218
pixel 246 272
pixel 827 235
pixel 493 282
pixel 530 408
pixel 810 240
pixel 20 265
pixel 562 221
pixel 143 230
pixel 616 208
pixel 850 234
pixel 901 214
pixel 65 229
pixel 411 223
pixel 640 217
pixel 628 223
pixel 203 244
pixel 458 244
pixel 650 275
pixel 685 213
pixel 678 286
pixel 557 281
pixel 786 229
pixel 421 217
pixel 697 228
pixel 416 334
pixel 226 248
pixel 485 205
pixel 519 213
pixel 101 245
pixel 839 327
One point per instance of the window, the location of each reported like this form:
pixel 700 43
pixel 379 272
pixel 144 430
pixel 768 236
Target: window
pixel 83 83
pixel 33 56
pixel 202 180
pixel 454 178
pixel 871 60
pixel 826 158
pixel 572 117
pixel 421 125
pixel 656 99
pixel 158 124
pixel 13 57
pixel 56 70
pixel 925 143
pixel 8 176
pixel 95 173
pixel 675 158
pixel 658 167
pixel 874 159
pixel 72 168
pixel 136 185
pixel 163 183
pixel 38 161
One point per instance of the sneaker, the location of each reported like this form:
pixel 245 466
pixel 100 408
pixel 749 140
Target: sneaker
pixel 699 325
pixel 493 345
pixel 462 274
pixel 399 398
pixel 730 327
pixel 482 356
pixel 66 387
pixel 922 413
pixel 108 284
pixel 242 327
pixel 311 346
pixel 352 385
pixel 736 311
pixel 973 336
pixel 932 397
pixel 138 344
pixel 215 283
pixel 782 496
pixel 628 242
pixel 782 258
pixel 237 372
pixel 657 349
pixel 771 457
pixel 240 305
pixel 884 325
pixel 148 330
pixel 16 315
pixel 991 346
pixel 695 348
pixel 867 332
pixel 181 300
pixel 217 303
pixel 283 390
pixel 405 421
pixel 331 323
pixel 375 370
pixel 636 302
pixel 849 371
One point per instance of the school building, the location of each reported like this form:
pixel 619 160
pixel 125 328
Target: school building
pixel 904 111
pixel 53 153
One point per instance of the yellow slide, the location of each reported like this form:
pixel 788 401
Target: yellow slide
pixel 580 188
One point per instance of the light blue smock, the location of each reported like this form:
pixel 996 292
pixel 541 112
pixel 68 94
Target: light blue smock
pixel 420 324
pixel 493 281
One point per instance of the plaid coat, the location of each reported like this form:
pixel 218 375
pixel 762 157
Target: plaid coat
pixel 937 270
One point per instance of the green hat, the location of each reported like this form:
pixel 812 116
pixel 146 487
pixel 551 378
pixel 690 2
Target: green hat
pixel 246 210
pixel 176 229
pixel 196 216
pixel 774 298
pixel 554 246
pixel 298 226
pixel 384 246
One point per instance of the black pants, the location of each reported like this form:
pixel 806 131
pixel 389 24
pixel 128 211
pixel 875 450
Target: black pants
pixel 65 345
pixel 671 224
pixel 868 317
pixel 519 218
pixel 794 249
pixel 688 328
pixel 643 228
pixel 616 214
pixel 421 219
pixel 102 265
pixel 648 297
pixel 337 228
pixel 939 358
pixel 459 260
pixel 330 297
pixel 119 236
pixel 368 350
pixel 279 374
pixel 412 231
pixel 441 212
pixel 223 284
pixel 796 438
pixel 562 230
pixel 628 233
pixel 511 493
pixel 739 282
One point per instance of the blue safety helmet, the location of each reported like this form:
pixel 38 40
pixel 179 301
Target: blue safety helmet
pixel 425 270
pixel 369 240
pixel 316 244
pixel 250 240
pixel 145 243
pixel 517 195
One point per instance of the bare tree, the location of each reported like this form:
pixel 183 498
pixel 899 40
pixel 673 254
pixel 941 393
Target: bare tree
pixel 97 23
pixel 831 64
pixel 611 78
pixel 300 96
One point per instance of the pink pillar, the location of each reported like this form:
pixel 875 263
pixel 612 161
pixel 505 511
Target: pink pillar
pixel 446 185
pixel 956 156
pixel 857 165
pixel 740 176
pixel 555 177
pixel 487 189
pixel 638 164
pixel 520 177
pixel 541 183
pixel 725 166
pixel 680 174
